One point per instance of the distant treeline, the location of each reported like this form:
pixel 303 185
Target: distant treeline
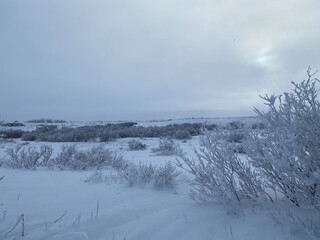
pixel 108 132
pixel 46 121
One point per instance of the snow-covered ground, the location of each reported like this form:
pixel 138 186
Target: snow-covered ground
pixel 131 213
pixel 124 212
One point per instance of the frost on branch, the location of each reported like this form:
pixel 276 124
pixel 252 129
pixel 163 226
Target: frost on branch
pixel 219 175
pixel 287 151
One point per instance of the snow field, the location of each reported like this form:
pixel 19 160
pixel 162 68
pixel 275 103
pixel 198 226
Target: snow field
pixel 134 213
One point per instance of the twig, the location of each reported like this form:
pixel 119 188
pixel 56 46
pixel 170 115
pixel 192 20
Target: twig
pixel 97 212
pixel 77 221
pixel 231 232
pixel 47 226
pixel 185 218
pixel 19 219
pixel 22 222
pixel 4 215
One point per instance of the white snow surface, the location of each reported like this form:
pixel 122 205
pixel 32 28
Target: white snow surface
pixel 124 212
pixel 131 213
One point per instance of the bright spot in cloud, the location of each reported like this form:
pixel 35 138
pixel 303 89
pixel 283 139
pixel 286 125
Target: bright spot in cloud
pixel 262 59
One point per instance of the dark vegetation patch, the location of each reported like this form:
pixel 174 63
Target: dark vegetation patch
pixel 109 132
pixel 11 133
pixel 12 124
pixel 46 121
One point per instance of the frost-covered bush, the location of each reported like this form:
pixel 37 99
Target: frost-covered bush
pixel 46 153
pixel 235 136
pixel 234 125
pixel 167 147
pixel 143 173
pixel 135 145
pixel 165 176
pixel 95 177
pixel 220 176
pixel 99 177
pixel 138 174
pixel 287 151
pixel 21 157
pixel 65 157
pixel 29 158
pixel 182 134
pixel 95 157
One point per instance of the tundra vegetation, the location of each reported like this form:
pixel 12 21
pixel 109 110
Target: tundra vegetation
pixel 282 168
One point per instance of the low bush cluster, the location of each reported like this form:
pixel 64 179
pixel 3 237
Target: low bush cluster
pixel 29 158
pixel 13 124
pixel 46 121
pixel 141 174
pixel 162 176
pixel 70 157
pixel 167 147
pixel 95 157
pixel 135 145
pixel 108 132
pixel 11 133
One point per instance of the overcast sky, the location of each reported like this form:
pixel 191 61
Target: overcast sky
pixel 145 59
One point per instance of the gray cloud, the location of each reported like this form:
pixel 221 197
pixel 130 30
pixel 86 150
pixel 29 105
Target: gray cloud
pixel 125 59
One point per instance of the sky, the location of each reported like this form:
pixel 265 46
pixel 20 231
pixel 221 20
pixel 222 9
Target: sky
pixel 142 59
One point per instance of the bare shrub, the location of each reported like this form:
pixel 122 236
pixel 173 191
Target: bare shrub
pixel 257 126
pixel 65 157
pixel 234 125
pixel 143 173
pixel 220 176
pixel 46 153
pixel 99 177
pixel 165 176
pixel 182 134
pixel 95 157
pixel 135 145
pixel 138 174
pixel 28 157
pixel 167 147
pixel 239 148
pixel 21 157
pixel 11 133
pixel 235 136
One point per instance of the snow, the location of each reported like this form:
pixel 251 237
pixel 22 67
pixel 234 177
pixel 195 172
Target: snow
pixel 131 213
pixel 125 212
